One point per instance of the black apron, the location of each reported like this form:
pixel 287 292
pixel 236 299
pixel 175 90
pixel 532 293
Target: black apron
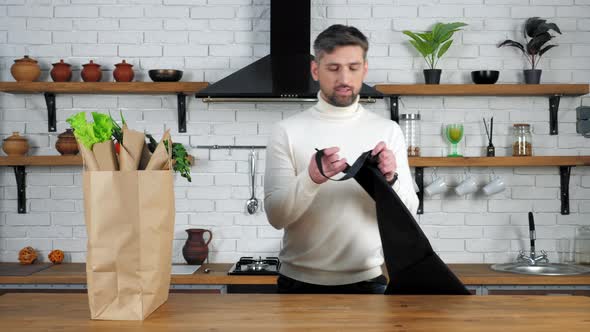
pixel 412 264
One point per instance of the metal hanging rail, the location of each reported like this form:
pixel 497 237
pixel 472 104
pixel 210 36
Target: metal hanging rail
pixel 215 147
pixel 367 100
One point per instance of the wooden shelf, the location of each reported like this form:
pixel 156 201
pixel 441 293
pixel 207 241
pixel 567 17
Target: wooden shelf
pixel 483 89
pixel 565 163
pixel 553 91
pixel 50 161
pixel 103 87
pixel 20 164
pixel 41 161
pixel 49 89
pixel 499 161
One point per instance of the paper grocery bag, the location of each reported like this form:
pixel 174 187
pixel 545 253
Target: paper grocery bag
pixel 105 156
pixel 131 149
pixel 130 223
pixel 162 155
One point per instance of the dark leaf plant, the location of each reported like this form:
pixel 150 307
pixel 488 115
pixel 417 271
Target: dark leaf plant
pixel 536 35
pixel 433 44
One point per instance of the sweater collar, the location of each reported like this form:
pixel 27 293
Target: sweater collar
pixel 325 109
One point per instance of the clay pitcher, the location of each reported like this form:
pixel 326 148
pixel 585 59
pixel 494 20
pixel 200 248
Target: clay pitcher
pixel 25 70
pixel 123 72
pixel 66 143
pixel 91 72
pixel 195 249
pixel 61 72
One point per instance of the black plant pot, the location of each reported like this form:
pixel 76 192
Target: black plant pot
pixel 532 76
pixel 432 76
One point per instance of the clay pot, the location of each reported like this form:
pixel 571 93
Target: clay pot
pixel 25 70
pixel 15 145
pixel 123 72
pixel 66 143
pixel 91 72
pixel 61 72
pixel 195 250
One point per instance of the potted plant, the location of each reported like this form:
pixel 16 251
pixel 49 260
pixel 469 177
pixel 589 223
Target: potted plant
pixel 432 45
pixel 536 35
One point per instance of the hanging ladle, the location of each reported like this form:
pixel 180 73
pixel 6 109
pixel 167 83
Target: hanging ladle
pixel 252 203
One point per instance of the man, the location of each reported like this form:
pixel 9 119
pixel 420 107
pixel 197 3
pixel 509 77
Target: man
pixel 331 240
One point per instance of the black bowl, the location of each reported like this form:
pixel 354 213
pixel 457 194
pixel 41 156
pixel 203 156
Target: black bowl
pixel 485 76
pixel 165 75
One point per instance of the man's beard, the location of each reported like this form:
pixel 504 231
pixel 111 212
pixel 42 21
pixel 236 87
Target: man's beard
pixel 342 102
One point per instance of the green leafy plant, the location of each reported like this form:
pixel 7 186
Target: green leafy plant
pixel 433 44
pixel 89 133
pixel 117 130
pixel 536 34
pixel 181 162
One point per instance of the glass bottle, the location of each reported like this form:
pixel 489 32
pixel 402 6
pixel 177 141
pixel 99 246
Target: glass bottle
pixel 410 124
pixel 523 140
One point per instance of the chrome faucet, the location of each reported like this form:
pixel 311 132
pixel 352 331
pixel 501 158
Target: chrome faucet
pixel 532 259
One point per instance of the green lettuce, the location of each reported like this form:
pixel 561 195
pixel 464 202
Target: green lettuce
pixel 89 133
pixel 103 126
pixel 84 131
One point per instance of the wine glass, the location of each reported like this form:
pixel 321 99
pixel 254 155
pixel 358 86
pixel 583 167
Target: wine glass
pixel 454 133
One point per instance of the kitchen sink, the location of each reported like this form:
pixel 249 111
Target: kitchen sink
pixel 545 269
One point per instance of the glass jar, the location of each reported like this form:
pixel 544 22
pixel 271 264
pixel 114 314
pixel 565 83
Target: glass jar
pixel 582 245
pixel 410 124
pixel 523 140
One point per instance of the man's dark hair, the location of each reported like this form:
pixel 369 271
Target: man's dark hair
pixel 339 35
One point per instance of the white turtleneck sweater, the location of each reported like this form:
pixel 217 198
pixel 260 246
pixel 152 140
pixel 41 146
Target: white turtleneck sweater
pixel 330 229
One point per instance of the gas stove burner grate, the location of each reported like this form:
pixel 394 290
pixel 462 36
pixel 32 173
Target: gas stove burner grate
pixel 260 266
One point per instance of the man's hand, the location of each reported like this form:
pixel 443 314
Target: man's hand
pixel 331 164
pixel 386 162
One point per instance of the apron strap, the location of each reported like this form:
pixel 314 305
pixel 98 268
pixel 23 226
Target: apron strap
pixel 350 171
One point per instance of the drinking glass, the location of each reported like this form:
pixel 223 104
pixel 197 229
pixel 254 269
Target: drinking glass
pixel 454 134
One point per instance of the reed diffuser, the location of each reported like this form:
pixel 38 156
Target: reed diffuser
pixel 491 151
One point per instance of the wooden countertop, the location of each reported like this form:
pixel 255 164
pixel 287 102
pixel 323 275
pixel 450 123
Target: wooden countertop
pixel 470 274
pixel 273 312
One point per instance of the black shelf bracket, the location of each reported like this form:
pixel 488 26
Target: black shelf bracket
pixel 564 180
pixel 19 172
pixel 181 112
pixel 50 101
pixel 553 108
pixel 394 108
pixel 419 177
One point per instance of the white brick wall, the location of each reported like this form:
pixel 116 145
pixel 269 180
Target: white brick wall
pixel 210 39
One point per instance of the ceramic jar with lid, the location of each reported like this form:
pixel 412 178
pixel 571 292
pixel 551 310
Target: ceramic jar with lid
pixel 25 69
pixel 91 72
pixel 66 143
pixel 15 145
pixel 123 72
pixel 61 72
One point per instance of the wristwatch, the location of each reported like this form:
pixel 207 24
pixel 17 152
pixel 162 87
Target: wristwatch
pixel 393 180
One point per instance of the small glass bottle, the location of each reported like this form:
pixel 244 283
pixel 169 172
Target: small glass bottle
pixel 410 124
pixel 523 140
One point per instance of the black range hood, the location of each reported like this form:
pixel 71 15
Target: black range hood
pixel 284 74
